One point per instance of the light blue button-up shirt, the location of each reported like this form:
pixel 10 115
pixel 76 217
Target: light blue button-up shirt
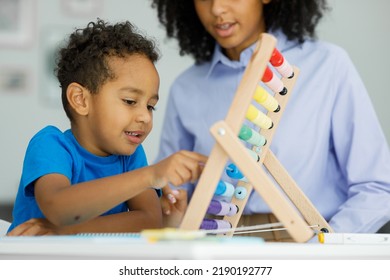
pixel 329 138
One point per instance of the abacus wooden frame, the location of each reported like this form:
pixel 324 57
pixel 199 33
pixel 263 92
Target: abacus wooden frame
pixel 288 203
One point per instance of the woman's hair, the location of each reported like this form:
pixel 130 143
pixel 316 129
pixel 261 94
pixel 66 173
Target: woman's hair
pixel 84 59
pixel 296 18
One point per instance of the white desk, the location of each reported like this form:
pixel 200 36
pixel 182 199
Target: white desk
pixel 67 247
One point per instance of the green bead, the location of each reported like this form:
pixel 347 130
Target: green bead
pixel 245 133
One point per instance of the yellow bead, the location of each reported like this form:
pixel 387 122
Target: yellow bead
pixel 260 94
pixel 252 113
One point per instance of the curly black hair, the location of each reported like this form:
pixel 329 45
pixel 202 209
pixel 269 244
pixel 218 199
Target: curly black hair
pixel 84 58
pixel 296 18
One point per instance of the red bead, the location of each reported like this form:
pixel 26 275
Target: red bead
pixel 276 58
pixel 267 75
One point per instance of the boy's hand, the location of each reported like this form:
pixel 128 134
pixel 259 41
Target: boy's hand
pixel 35 227
pixel 174 205
pixel 177 169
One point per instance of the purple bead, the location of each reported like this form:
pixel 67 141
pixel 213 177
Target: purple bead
pixel 215 224
pixel 222 208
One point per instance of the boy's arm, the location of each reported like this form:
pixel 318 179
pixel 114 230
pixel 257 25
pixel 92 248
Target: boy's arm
pixel 65 204
pixel 145 213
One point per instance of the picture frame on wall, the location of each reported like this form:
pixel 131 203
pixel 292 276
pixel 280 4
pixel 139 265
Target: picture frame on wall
pixel 15 79
pixel 17 21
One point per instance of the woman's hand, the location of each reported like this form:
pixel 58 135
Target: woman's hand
pixel 174 205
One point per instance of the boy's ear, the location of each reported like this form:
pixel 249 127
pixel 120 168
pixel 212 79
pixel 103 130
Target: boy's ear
pixel 265 2
pixel 78 98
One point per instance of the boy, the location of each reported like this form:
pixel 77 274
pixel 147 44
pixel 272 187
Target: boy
pixel 94 177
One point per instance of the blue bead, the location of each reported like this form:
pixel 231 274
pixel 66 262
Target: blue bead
pixel 224 189
pixel 221 188
pixel 240 193
pixel 233 172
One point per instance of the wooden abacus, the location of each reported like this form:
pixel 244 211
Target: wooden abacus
pixel 287 202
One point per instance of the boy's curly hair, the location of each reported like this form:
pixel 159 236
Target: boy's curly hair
pixel 84 58
pixel 296 18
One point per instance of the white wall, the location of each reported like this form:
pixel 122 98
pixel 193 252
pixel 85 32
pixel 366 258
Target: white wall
pixel 362 28
pixel 358 26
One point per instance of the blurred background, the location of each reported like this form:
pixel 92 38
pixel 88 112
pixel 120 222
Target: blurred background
pixel 31 30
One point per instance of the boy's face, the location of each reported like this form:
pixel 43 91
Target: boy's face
pixel 121 113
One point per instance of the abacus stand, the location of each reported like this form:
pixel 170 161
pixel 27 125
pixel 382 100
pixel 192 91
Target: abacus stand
pixel 288 203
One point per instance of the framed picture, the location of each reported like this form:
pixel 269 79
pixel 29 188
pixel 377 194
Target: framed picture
pixel 17 22
pixel 14 79
pixel 82 8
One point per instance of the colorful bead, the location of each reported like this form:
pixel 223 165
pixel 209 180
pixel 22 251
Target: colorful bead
pixel 233 172
pixel 208 224
pixel 258 118
pixel 264 98
pixel 251 136
pixel 224 189
pixel 281 65
pixel 254 155
pixel 222 208
pixel 240 193
pixel 273 82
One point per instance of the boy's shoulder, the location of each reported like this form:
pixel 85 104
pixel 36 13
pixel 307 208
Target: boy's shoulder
pixel 50 135
pixel 48 131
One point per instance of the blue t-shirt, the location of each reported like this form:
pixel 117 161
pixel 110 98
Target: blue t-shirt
pixel 53 151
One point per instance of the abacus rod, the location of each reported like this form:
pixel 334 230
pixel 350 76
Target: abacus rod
pixel 268 134
pixel 277 202
pixel 249 81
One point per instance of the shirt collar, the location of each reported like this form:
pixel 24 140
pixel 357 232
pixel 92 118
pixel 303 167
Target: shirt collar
pixel 219 57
